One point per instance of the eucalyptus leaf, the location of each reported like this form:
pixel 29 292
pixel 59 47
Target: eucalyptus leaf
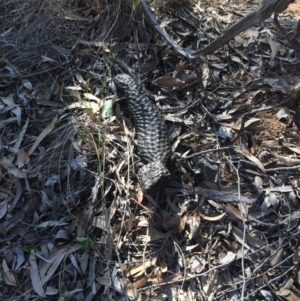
pixel 107 109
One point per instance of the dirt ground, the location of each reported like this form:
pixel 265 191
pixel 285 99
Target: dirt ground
pixel 294 7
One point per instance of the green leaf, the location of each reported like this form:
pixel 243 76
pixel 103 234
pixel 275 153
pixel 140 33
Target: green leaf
pixel 28 248
pixel 107 109
pixel 84 242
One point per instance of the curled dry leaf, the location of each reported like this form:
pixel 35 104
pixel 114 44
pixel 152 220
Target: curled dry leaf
pixel 62 236
pixel 146 67
pixel 283 113
pixel 22 158
pixel 194 223
pixel 252 122
pixel 103 221
pixel 137 284
pixel 9 277
pixel 73 88
pixel 11 169
pixel 213 218
pixel 154 235
pixel 250 157
pixel 47 59
pixel 229 257
pixel 274 49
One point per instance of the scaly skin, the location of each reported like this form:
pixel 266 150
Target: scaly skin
pixel 152 137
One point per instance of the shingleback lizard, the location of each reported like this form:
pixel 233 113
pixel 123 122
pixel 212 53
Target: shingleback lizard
pixel 152 136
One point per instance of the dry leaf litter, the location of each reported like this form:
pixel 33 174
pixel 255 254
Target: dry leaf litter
pixel 74 223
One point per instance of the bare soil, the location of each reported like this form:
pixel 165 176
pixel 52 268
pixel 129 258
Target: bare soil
pixel 294 8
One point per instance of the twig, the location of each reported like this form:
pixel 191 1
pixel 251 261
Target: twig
pixel 209 151
pixel 244 225
pixel 263 11
pixel 32 74
pixel 282 168
pixel 244 230
pixel 285 34
pixel 183 278
pixel 183 53
pixel 273 279
pixel 297 30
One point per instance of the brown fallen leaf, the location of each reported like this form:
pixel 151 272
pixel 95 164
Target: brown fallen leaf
pixel 235 212
pixel 138 283
pixel 174 222
pixel 296 257
pixel 291 294
pixel 250 240
pixel 170 82
pixel 139 196
pixel 11 169
pixel 94 106
pixel 213 218
pixel 146 67
pixel 10 278
pixel 22 158
pixel 294 148
pixel 250 157
pixel 139 269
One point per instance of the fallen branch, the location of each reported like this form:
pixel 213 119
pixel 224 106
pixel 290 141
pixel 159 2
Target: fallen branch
pixel 265 9
pixel 291 42
pixel 183 53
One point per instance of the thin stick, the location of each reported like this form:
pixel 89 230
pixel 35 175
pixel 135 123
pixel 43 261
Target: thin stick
pixel 31 74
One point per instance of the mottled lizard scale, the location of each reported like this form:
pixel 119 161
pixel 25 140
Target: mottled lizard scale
pixel 152 138
pixel 149 124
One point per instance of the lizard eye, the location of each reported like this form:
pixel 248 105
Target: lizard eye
pixel 140 164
